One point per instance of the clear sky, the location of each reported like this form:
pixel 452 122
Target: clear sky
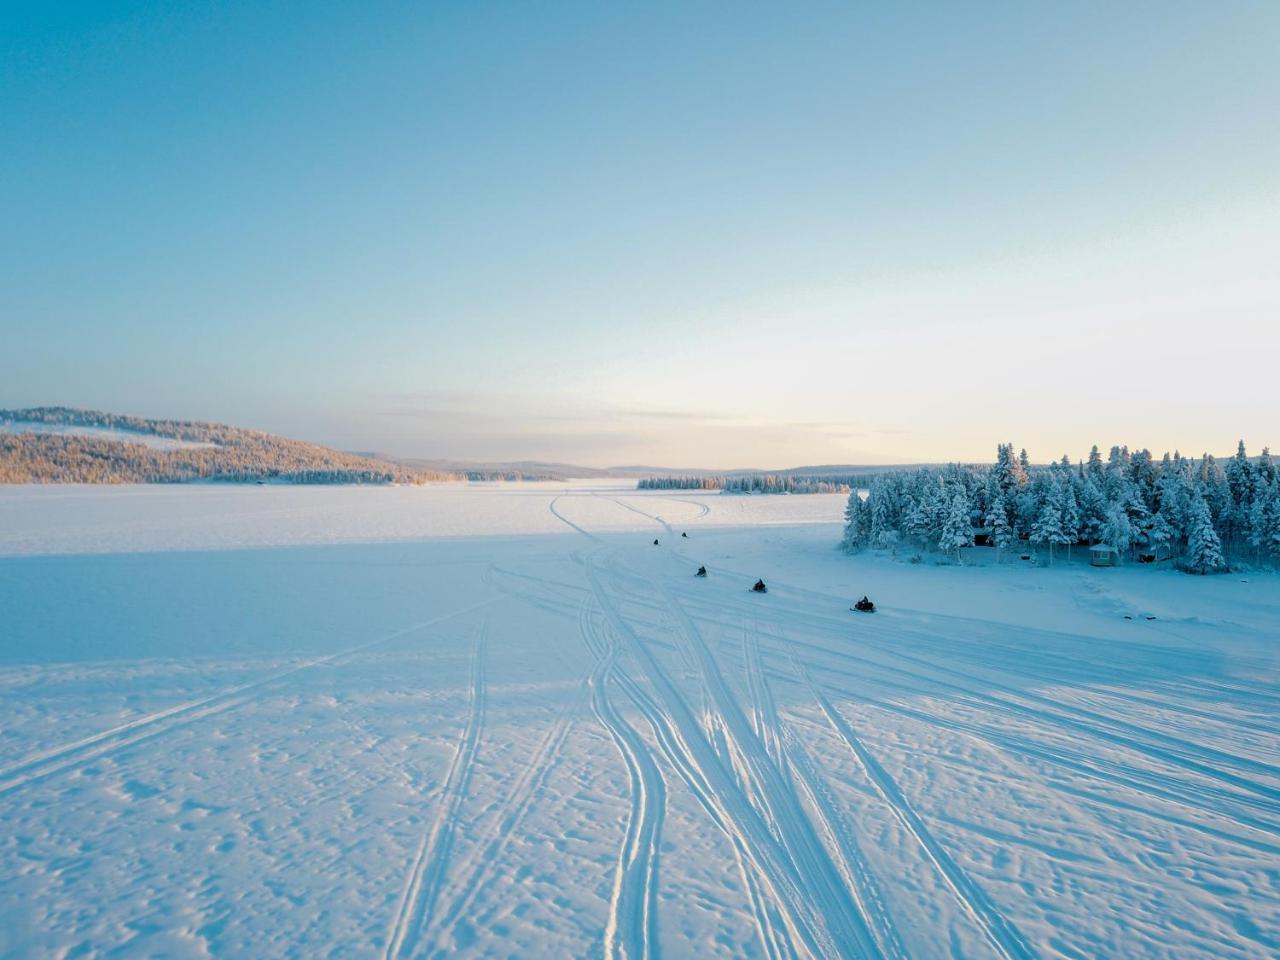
pixel 690 234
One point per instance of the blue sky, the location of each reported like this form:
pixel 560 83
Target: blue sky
pixel 693 234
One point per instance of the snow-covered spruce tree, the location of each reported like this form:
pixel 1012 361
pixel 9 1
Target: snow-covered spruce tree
pixel 1047 528
pixel 1093 509
pixel 916 522
pixel 1260 521
pixel 957 529
pixel 1271 542
pixel 997 520
pixel 1070 516
pixel 881 503
pixel 1239 484
pixel 1159 534
pixel 1118 531
pixel 856 518
pixel 936 507
pixel 1139 518
pixel 1094 469
pixel 1172 493
pixel 1264 471
pixel 1204 548
pixel 1009 474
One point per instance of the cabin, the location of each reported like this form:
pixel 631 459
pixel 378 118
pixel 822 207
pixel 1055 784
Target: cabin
pixel 1102 555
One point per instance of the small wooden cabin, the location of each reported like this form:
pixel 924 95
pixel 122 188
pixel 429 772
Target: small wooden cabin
pixel 1102 555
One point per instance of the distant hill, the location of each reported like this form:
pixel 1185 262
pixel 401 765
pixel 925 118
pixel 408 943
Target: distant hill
pixel 543 470
pixel 69 445
pixel 502 470
pixel 826 470
pixel 66 445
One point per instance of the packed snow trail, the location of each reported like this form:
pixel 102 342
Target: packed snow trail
pixel 796 865
pixel 631 927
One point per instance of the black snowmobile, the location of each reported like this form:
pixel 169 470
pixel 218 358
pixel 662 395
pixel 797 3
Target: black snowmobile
pixel 655 543
pixel 685 536
pixel 864 606
pixel 759 587
pixel 702 572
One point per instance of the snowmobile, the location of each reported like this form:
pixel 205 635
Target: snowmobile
pixel 655 543
pixel 702 572
pixel 684 536
pixel 864 606
pixel 759 587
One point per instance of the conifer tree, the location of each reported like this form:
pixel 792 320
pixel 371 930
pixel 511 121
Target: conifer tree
pixel 1070 517
pixel 957 529
pixel 1159 534
pixel 1118 532
pixel 1094 468
pixel 1002 534
pixel 1264 470
pixel 1204 548
pixel 855 517
pixel 1047 528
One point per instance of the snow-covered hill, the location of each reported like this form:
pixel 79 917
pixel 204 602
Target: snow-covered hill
pixel 69 445
pixel 110 434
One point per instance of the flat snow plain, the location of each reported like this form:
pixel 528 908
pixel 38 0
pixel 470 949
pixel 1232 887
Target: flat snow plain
pixel 495 720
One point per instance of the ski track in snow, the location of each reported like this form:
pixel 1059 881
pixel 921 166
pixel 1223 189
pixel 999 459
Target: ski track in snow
pixel 47 762
pixel 431 860
pixel 1006 939
pixel 509 820
pixel 853 768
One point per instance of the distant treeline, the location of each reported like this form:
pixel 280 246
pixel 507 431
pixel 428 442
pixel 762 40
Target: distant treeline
pixel 1196 511
pixel 236 455
pixel 510 476
pixel 758 483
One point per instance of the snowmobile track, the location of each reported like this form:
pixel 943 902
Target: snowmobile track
pixel 51 761
pixel 430 862
pixel 631 926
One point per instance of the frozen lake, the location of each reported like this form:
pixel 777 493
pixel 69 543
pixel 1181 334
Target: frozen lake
pixel 496 720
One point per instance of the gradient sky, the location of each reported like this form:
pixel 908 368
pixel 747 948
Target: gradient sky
pixel 691 234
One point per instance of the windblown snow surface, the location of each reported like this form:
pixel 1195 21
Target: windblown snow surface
pixel 496 720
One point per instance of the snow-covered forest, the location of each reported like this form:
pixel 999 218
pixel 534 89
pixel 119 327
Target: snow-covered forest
pixel 66 445
pixel 1198 512
pixel 753 483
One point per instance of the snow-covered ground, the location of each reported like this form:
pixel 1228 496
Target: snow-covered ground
pixel 497 720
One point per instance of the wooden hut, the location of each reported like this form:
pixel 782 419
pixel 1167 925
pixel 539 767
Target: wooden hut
pixel 1102 555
